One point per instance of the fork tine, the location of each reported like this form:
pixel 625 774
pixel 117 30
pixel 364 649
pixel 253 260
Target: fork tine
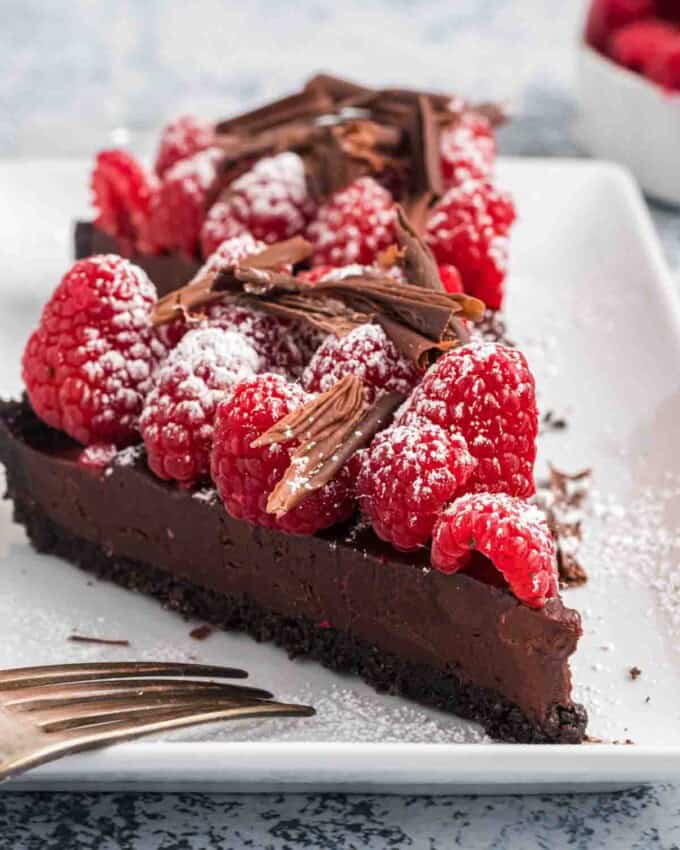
pixel 21 677
pixel 106 711
pixel 119 730
pixel 63 743
pixel 52 696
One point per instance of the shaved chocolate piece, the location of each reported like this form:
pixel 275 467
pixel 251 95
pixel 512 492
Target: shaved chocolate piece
pixel 417 209
pixel 322 426
pixel 419 264
pixel 105 641
pixel 308 103
pixel 201 632
pixel 561 498
pixel 430 157
pixel 207 287
pixel 331 428
pixel 635 673
pixel 421 322
pixel 325 314
pixel 425 311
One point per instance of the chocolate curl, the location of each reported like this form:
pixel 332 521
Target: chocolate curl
pixel 419 263
pixel 422 310
pixel 330 428
pixel 208 287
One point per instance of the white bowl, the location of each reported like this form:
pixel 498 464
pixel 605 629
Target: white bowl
pixel 630 120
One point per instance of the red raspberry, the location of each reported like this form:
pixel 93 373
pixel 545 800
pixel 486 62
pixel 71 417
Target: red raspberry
pixel 277 341
pixel 468 149
pixel 245 476
pixel 179 207
pixel 177 419
pixel 664 68
pixel 181 139
pixel 511 533
pixel 468 228
pixel 606 16
pixel 354 226
pixel 637 45
pixel 486 393
pixel 450 278
pixel 271 201
pixel 407 476
pixel 89 365
pixel 122 195
pixel 366 352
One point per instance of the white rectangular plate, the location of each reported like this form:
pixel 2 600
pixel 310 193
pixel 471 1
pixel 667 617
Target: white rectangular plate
pixel 595 309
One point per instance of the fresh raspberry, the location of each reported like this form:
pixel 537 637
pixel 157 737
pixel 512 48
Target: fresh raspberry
pixel 271 201
pixel 468 149
pixel 511 533
pixel 407 476
pixel 637 45
pixel 89 365
pixel 245 476
pixel 486 393
pixel 181 139
pixel 664 68
pixel 177 419
pixel 180 204
pixel 122 195
pixel 366 352
pixel 279 342
pixel 606 16
pixel 354 226
pixel 450 278
pixel 468 228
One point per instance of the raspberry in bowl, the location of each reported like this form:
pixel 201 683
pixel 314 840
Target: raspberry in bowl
pixel 629 90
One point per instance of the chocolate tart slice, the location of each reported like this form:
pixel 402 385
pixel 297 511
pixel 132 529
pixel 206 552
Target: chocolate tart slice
pixel 341 597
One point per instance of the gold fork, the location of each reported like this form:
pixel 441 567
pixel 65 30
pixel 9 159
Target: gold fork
pixel 49 712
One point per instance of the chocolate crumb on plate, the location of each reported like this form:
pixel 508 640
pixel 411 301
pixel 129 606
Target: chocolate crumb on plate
pixel 75 638
pixel 550 421
pixel 634 673
pixel 562 497
pixel 201 632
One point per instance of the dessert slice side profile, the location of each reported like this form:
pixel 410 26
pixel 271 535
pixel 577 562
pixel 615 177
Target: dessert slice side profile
pixel 314 435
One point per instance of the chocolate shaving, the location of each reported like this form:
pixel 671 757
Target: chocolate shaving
pixel 201 632
pixel 342 131
pixel 106 641
pixel 634 673
pixel 419 263
pixel 561 498
pixel 433 181
pixel 422 323
pixel 329 428
pixel 207 286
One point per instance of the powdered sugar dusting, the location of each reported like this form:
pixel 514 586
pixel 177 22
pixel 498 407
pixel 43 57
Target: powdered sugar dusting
pixel 366 352
pixel 271 201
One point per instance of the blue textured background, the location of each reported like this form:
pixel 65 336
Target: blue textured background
pixel 78 75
